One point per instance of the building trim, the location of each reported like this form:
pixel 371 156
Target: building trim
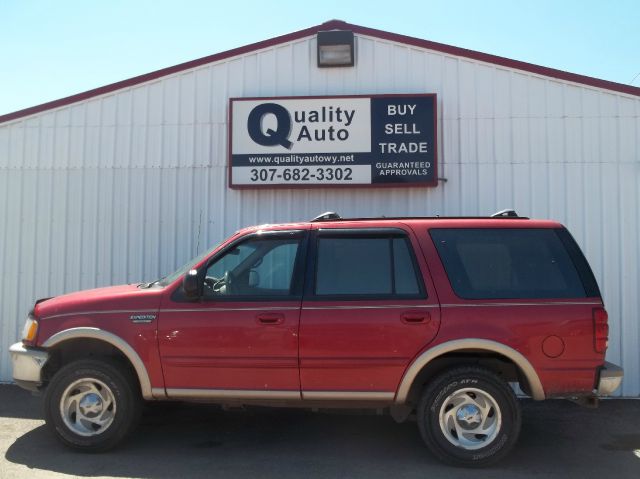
pixel 333 24
pixel 496 60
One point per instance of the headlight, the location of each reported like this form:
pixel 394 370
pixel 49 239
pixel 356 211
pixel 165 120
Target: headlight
pixel 30 329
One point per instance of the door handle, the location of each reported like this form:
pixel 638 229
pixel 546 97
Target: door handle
pixel 270 318
pixel 415 317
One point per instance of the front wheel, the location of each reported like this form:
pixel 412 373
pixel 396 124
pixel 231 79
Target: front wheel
pixel 92 405
pixel 469 417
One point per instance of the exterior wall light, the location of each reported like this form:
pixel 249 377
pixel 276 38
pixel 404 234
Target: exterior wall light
pixel 335 49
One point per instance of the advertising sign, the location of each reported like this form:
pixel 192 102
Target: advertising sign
pixel 378 140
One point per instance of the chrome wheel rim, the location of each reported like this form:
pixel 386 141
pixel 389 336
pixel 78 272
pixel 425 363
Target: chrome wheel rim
pixel 470 418
pixel 87 407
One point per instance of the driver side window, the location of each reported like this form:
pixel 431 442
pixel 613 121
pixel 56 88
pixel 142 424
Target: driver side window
pixel 258 267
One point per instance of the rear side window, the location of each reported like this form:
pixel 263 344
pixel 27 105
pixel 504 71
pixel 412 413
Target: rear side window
pixel 507 263
pixel 366 266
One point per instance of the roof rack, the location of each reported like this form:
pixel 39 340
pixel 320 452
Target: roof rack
pixel 504 214
pixel 508 213
pixel 326 216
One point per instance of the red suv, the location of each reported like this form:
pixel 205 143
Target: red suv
pixel 443 317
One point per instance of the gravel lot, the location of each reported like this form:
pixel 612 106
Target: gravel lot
pixel 559 439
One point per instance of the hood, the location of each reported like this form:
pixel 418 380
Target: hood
pixel 123 297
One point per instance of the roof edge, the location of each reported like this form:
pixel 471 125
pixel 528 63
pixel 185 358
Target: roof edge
pixel 332 24
pixel 500 61
pixel 163 72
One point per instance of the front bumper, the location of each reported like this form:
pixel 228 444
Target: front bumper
pixel 27 366
pixel 610 379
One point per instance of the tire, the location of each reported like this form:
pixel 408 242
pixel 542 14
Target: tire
pixel 92 405
pixel 469 417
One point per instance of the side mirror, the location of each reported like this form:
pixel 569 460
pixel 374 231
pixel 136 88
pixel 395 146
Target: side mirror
pixel 254 279
pixel 191 285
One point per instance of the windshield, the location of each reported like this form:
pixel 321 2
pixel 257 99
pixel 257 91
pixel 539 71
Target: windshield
pixel 170 278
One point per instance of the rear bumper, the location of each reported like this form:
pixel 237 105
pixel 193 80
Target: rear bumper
pixel 609 379
pixel 27 365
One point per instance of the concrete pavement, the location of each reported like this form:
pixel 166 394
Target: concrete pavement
pixel 559 439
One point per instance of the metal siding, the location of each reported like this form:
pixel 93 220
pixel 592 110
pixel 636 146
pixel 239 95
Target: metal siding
pixel 128 186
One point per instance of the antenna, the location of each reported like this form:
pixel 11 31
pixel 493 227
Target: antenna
pixel 199 228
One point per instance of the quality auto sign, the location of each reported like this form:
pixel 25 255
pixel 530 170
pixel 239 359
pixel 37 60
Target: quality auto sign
pixel 333 141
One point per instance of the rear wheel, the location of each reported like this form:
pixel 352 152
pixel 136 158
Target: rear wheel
pixel 92 405
pixel 469 416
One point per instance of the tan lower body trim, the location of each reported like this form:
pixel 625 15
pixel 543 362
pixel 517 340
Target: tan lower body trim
pixel 117 342
pixel 214 394
pixel 240 394
pixel 158 393
pixel 470 344
pixel 348 395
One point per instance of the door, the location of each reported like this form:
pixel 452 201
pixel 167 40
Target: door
pixel 241 337
pixel 366 313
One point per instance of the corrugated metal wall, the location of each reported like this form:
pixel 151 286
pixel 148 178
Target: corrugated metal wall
pixel 128 186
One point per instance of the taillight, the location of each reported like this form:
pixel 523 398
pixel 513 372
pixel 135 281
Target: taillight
pixel 600 329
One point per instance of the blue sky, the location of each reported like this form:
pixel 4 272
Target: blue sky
pixel 49 49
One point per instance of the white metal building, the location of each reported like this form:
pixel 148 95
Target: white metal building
pixel 127 182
